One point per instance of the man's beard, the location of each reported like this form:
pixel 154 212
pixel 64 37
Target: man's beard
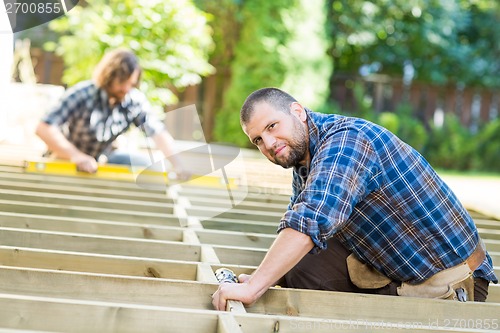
pixel 297 145
pixel 116 97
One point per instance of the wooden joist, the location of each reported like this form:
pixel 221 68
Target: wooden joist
pixel 55 314
pixel 277 301
pixel 114 214
pixel 83 254
pixel 132 247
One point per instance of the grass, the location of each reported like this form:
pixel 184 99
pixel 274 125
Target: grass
pixel 469 174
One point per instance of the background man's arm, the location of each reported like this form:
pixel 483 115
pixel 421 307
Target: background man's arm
pixel 287 250
pixel 63 149
pixel 165 143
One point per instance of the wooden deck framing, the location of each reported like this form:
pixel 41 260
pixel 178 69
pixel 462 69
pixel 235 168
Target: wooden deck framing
pixel 82 254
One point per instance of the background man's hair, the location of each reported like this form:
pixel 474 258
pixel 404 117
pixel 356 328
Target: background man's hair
pixel 117 64
pixel 279 99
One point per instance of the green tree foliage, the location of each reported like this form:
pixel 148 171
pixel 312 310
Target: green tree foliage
pixel 405 126
pixel 281 44
pixel 487 147
pixel 257 62
pixel 225 20
pixel 450 146
pixel 445 41
pixel 170 38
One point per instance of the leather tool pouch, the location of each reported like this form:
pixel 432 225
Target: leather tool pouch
pixel 364 276
pixel 442 285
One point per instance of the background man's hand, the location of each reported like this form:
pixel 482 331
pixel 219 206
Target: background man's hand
pixel 183 174
pixel 85 163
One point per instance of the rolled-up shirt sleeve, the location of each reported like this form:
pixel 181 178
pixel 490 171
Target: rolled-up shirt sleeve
pixel 343 171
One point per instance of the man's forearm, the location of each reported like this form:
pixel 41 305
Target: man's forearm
pixel 56 142
pixel 165 143
pixel 287 250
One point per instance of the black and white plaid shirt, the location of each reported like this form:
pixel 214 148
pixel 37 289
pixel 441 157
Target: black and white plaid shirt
pixel 91 124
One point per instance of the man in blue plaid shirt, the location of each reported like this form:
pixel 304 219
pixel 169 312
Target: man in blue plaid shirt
pixel 368 213
pixel 92 114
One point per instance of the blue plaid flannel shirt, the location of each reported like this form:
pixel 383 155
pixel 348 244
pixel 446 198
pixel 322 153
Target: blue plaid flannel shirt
pixel 88 122
pixel 382 200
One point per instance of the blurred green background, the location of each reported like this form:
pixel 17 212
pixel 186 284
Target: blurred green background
pixel 429 70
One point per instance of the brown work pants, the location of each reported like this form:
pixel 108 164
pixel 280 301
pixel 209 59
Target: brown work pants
pixel 327 270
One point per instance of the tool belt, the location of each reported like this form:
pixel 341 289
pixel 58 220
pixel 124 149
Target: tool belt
pixel 455 283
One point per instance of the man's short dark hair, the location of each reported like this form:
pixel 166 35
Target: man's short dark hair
pixel 279 99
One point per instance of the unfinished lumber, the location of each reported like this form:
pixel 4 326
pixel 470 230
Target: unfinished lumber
pixel 493 293
pixel 90 226
pixel 252 195
pixel 99 244
pixel 276 301
pixel 495 257
pixel 489 233
pixel 119 214
pixel 245 205
pixel 56 314
pixel 252 226
pixel 85 201
pixel 350 306
pixel 104 287
pixel 239 255
pixel 97 263
pixel 487 224
pixel 81 180
pixel 70 189
pixel 235 238
pixel 492 245
pixel 21 312
pixel 234 214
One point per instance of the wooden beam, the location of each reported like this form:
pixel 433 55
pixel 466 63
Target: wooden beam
pixel 277 301
pixel 234 238
pixel 58 314
pixel 492 245
pixel 71 189
pixel 495 257
pixel 99 244
pixel 489 233
pixel 254 194
pixel 322 304
pixel 134 230
pixel 90 226
pixel 21 312
pixel 226 224
pixel 99 287
pixel 227 324
pixel 236 214
pixel 97 263
pixel 239 256
pixel 487 224
pixel 85 201
pixel 493 293
pixel 18 173
pixel 244 205
pixel 121 215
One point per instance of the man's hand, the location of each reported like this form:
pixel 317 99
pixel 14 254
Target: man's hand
pixel 182 174
pixel 285 252
pixel 85 163
pixel 233 291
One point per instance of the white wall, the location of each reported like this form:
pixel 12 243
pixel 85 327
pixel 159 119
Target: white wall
pixel 6 47
pixel 6 57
